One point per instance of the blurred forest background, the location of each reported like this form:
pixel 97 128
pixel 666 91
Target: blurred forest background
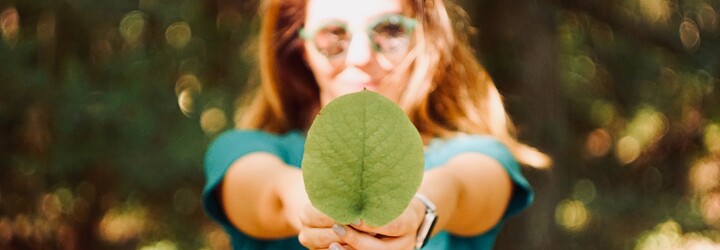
pixel 106 108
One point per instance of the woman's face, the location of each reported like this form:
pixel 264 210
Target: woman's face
pixel 352 45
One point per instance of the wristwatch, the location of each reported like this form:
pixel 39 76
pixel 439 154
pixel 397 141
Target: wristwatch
pixel 426 227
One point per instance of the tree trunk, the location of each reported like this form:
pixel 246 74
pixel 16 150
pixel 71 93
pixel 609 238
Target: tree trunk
pixel 517 43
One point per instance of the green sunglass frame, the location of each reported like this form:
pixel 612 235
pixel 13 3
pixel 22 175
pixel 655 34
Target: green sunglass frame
pixel 407 23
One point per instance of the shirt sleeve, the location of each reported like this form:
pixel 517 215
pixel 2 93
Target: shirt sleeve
pixel 223 151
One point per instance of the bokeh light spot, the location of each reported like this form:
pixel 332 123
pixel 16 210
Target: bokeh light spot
pixel 46 28
pixel 132 27
pixel 708 18
pixel 120 225
pixel 50 206
pixel 572 215
pixel 188 82
pixel 66 199
pixel 627 150
pixel 695 241
pixel 705 176
pixel 689 34
pixel 598 143
pixel 187 88
pixel 186 102
pixel 669 235
pixel 655 10
pixel 710 208
pixel 648 126
pixel 665 236
pixel 584 191
pixel 23 226
pixel 603 113
pixel 212 121
pixel 711 138
pixel 692 119
pixel 10 25
pixel 6 230
pixel 585 66
pixel 178 35
pixel 161 245
pixel 215 237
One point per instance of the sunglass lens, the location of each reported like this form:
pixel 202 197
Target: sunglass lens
pixel 390 36
pixel 332 40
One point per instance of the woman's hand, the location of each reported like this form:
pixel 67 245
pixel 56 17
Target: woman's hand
pixel 321 232
pixel 316 231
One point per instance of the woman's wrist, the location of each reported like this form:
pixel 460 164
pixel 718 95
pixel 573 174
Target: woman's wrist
pixel 419 211
pixel 290 190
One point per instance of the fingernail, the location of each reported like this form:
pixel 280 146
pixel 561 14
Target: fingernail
pixel 339 229
pixel 335 246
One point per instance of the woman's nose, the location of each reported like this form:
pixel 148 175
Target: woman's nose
pixel 359 52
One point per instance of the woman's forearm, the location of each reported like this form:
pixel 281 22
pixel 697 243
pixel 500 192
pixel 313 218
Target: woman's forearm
pixel 255 193
pixel 471 193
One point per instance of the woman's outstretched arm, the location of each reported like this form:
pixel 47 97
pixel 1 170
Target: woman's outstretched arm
pixel 471 191
pixel 262 196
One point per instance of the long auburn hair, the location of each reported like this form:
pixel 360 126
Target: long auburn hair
pixel 449 92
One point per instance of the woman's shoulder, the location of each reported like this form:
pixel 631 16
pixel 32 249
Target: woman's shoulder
pixel 232 144
pixel 463 140
pixel 234 138
pixel 440 150
pixel 247 134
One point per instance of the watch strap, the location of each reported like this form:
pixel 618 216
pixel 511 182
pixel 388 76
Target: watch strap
pixel 426 227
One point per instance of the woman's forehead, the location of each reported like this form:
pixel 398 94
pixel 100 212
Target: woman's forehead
pixel 350 10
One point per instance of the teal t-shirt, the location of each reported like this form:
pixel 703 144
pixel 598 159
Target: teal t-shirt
pixel 289 147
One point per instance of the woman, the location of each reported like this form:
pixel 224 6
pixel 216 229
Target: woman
pixel 312 51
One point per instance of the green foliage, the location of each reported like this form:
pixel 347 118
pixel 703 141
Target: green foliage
pixel 363 159
pixel 97 116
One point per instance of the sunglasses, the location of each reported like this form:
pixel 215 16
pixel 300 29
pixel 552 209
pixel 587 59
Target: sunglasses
pixel 388 34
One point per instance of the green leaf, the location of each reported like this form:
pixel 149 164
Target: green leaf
pixel 363 159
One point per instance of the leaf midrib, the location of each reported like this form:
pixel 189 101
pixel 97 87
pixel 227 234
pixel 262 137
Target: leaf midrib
pixel 363 194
